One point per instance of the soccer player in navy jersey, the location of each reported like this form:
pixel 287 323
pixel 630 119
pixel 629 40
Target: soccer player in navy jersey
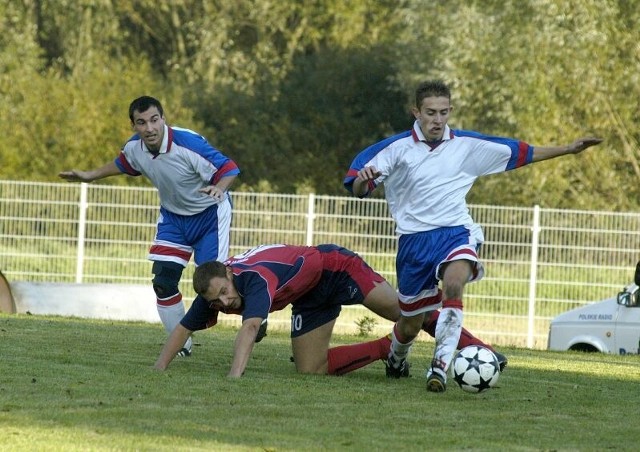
pixel 427 173
pixel 316 281
pixel 192 178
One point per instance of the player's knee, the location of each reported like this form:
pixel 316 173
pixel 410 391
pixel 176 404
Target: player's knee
pixel 409 327
pixel 166 278
pixel 453 291
pixel 163 291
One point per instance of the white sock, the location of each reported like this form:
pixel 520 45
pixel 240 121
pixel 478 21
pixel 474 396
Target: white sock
pixel 448 331
pixel 398 351
pixel 171 316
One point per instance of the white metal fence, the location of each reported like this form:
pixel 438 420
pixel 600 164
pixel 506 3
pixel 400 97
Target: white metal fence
pixel 540 262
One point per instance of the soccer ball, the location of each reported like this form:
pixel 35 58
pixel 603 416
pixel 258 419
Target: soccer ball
pixel 476 368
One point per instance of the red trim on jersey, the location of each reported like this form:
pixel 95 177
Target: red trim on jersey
pixel 170 139
pixel 226 168
pixel 371 184
pixel 523 151
pixel 352 173
pixel 164 250
pixel 128 168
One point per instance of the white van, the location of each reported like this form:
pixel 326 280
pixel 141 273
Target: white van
pixel 608 326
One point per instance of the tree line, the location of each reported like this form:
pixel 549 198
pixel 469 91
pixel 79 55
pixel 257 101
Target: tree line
pixel 293 90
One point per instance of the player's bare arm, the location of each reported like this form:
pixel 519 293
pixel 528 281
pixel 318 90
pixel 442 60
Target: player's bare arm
pixel 173 345
pixel 548 152
pixel 361 182
pixel 245 339
pixel 110 169
pixel 218 190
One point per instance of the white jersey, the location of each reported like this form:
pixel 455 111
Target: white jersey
pixel 185 164
pixel 425 186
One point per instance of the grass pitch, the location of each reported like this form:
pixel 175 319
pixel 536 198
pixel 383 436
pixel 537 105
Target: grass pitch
pixel 76 384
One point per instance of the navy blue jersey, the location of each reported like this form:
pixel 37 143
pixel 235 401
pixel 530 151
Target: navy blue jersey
pixel 270 277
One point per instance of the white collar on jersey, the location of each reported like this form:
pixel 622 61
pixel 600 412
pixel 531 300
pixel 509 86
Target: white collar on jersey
pixel 417 133
pixel 164 147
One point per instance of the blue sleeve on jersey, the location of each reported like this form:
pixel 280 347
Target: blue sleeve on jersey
pixel 366 156
pixel 197 143
pixel 199 315
pixel 122 162
pixel 120 165
pixel 255 294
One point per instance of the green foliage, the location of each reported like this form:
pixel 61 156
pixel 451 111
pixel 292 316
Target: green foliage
pixel 303 132
pixel 74 384
pixel 548 72
pixel 293 90
pixel 366 325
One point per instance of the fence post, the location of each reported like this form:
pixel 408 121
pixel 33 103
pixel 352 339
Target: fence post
pixel 535 229
pixel 82 226
pixel 310 218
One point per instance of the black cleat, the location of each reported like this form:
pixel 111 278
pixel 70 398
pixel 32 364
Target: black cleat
pixel 435 381
pixel 400 371
pixel 262 331
pixel 184 352
pixel 502 361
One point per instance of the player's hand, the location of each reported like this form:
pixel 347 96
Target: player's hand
pixel 76 176
pixel 369 173
pixel 213 191
pixel 583 143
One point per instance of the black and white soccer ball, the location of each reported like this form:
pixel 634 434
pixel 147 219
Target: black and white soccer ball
pixel 476 368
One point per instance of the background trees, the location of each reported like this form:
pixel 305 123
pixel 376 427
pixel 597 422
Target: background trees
pixel 292 90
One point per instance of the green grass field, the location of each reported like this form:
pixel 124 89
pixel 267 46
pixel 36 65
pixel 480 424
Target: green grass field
pixel 74 384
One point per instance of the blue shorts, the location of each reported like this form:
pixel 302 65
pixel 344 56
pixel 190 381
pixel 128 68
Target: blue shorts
pixel 418 262
pixel 205 235
pixel 346 280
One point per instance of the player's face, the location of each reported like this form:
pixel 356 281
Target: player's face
pixel 222 294
pixel 149 125
pixel 433 116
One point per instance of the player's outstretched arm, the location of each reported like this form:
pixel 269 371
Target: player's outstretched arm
pixel 548 152
pixel 110 169
pixel 173 345
pixel 243 346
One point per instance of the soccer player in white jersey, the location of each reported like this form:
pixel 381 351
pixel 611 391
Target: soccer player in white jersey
pixel 427 173
pixel 193 179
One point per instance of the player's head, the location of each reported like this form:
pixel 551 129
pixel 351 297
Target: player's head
pixel 147 120
pixel 142 104
pixel 213 281
pixel 431 88
pixel 433 105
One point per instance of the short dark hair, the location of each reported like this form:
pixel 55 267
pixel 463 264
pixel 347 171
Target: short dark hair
pixel 142 104
pixel 203 274
pixel 431 88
